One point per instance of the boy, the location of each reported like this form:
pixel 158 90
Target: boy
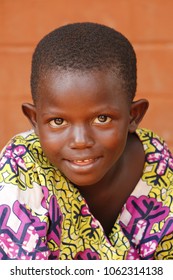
pixel 85 183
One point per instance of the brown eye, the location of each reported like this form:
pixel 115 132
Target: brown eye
pixel 57 122
pixel 102 119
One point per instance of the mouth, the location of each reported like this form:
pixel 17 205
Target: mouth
pixel 83 162
pixel 82 165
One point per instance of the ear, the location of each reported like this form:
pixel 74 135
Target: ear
pixel 137 112
pixel 29 111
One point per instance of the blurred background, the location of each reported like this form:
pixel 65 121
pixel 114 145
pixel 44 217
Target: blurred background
pixel 148 24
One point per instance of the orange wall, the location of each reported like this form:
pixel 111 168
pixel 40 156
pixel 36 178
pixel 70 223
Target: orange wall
pixel 147 23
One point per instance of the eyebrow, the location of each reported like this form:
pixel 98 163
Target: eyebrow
pixel 100 110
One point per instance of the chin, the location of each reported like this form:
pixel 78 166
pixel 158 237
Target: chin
pixel 85 181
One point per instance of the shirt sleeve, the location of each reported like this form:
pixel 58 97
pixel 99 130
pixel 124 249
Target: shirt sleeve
pixel 24 218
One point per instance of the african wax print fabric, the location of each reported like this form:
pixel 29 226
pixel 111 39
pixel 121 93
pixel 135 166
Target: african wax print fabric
pixel 43 216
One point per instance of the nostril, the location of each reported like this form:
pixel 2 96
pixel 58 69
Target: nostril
pixel 80 144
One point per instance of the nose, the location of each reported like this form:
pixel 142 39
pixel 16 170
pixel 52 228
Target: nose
pixel 80 137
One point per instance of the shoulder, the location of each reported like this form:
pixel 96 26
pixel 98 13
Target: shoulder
pixel 23 163
pixel 158 171
pixel 146 134
pixel 152 142
pixel 18 140
pixel 25 146
pixel 20 159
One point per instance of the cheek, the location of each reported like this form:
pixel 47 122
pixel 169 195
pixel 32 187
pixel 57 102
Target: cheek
pixel 113 138
pixel 51 144
pixel 114 144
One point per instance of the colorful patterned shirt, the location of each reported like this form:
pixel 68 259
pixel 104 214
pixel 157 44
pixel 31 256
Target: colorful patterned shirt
pixel 43 216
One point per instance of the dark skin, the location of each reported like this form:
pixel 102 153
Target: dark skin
pixel 86 125
pixel 107 205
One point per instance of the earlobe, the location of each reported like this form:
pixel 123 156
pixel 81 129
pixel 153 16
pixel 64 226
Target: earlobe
pixel 137 112
pixel 29 111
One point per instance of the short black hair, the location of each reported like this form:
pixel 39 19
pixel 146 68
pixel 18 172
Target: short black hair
pixel 84 47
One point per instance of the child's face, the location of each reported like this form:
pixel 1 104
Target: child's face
pixel 82 121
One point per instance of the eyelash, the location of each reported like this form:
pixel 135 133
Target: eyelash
pixel 54 123
pixel 59 122
pixel 104 119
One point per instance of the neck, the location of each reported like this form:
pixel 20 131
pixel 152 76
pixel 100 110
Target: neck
pixel 105 185
pixel 129 169
pixel 107 197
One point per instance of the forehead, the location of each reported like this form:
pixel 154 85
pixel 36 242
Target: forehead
pixel 81 93
pixel 63 82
